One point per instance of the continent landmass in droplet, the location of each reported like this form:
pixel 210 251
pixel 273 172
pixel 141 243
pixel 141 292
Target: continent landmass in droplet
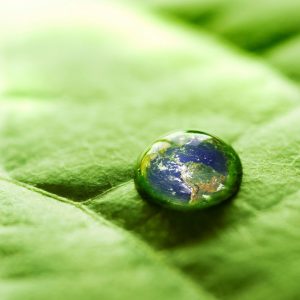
pixel 202 180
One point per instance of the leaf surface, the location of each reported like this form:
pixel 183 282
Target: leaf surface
pixel 82 96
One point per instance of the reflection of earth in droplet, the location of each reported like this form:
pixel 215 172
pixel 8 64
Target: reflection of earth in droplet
pixel 188 172
pixel 189 168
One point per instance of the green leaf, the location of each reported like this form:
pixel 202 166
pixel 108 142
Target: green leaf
pixel 251 25
pixel 285 57
pixel 266 27
pixel 82 96
pixel 52 249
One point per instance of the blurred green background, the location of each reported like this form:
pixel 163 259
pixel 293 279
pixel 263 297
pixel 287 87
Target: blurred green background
pixel 85 86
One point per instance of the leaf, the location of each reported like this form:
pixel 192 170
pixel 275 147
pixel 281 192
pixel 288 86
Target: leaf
pixel 285 57
pixel 83 95
pixel 55 250
pixel 263 27
pixel 253 26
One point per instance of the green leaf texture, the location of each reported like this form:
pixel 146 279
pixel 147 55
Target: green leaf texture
pixel 85 86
